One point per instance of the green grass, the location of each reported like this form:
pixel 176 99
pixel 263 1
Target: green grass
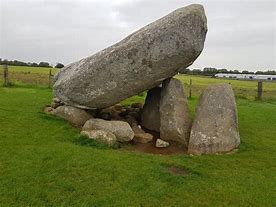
pixel 44 162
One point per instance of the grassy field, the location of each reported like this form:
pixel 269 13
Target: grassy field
pixel 23 75
pixel 44 162
pixel 36 76
pixel 243 89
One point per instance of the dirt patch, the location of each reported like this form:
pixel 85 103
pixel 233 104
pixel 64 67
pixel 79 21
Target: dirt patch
pixel 174 148
pixel 150 148
pixel 178 171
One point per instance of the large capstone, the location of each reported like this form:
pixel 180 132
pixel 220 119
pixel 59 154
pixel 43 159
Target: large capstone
pixel 175 122
pixel 139 62
pixel 215 128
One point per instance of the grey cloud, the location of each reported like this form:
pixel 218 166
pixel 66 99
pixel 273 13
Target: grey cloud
pixel 242 34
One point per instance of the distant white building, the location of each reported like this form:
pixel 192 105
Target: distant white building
pixel 246 76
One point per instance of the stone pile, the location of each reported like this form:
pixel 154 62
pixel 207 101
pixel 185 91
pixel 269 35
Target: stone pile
pixel 87 91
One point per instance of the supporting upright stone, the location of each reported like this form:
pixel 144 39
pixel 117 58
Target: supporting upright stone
pixel 175 122
pixel 215 128
pixel 150 114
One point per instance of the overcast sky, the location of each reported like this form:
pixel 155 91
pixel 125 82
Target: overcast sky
pixel 241 34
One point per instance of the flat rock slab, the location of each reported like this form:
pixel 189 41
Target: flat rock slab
pixel 161 143
pixel 77 117
pixel 101 136
pixel 175 122
pixel 139 62
pixel 215 128
pixel 120 129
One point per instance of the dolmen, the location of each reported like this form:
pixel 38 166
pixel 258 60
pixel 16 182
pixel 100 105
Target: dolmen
pixel 139 62
pixel 87 92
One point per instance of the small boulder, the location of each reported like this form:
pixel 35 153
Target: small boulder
pixel 108 113
pixel 137 128
pixel 175 122
pixel 73 115
pixel 118 107
pixel 101 136
pixel 48 110
pixel 56 102
pixel 215 128
pixel 150 118
pixel 161 143
pixel 130 120
pixel 123 112
pixel 120 129
pixel 142 137
pixel 134 115
pixel 137 105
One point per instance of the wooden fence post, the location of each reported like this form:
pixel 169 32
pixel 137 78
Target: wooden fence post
pixel 6 76
pixel 260 90
pixel 50 78
pixel 190 89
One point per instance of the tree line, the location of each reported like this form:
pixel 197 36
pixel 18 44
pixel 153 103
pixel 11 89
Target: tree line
pixel 209 71
pixel 31 64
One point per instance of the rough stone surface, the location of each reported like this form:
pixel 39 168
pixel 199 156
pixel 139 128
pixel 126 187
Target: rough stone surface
pixel 150 117
pixel 139 62
pixel 75 116
pixel 143 137
pixel 161 143
pixel 101 136
pixel 175 122
pixel 56 103
pixel 48 110
pixel 215 128
pixel 140 135
pixel 137 128
pixel 120 129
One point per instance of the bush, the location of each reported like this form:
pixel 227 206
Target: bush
pixel 59 65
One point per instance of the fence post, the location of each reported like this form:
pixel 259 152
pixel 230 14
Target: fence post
pixel 190 89
pixel 260 90
pixel 6 76
pixel 50 78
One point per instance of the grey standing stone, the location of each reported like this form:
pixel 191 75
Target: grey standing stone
pixel 150 118
pixel 175 121
pixel 120 129
pixel 215 128
pixel 139 62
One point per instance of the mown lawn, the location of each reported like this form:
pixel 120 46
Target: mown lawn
pixel 43 163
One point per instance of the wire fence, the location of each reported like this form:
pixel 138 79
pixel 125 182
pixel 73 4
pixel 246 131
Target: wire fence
pixel 22 76
pixel 243 89
pixel 193 85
